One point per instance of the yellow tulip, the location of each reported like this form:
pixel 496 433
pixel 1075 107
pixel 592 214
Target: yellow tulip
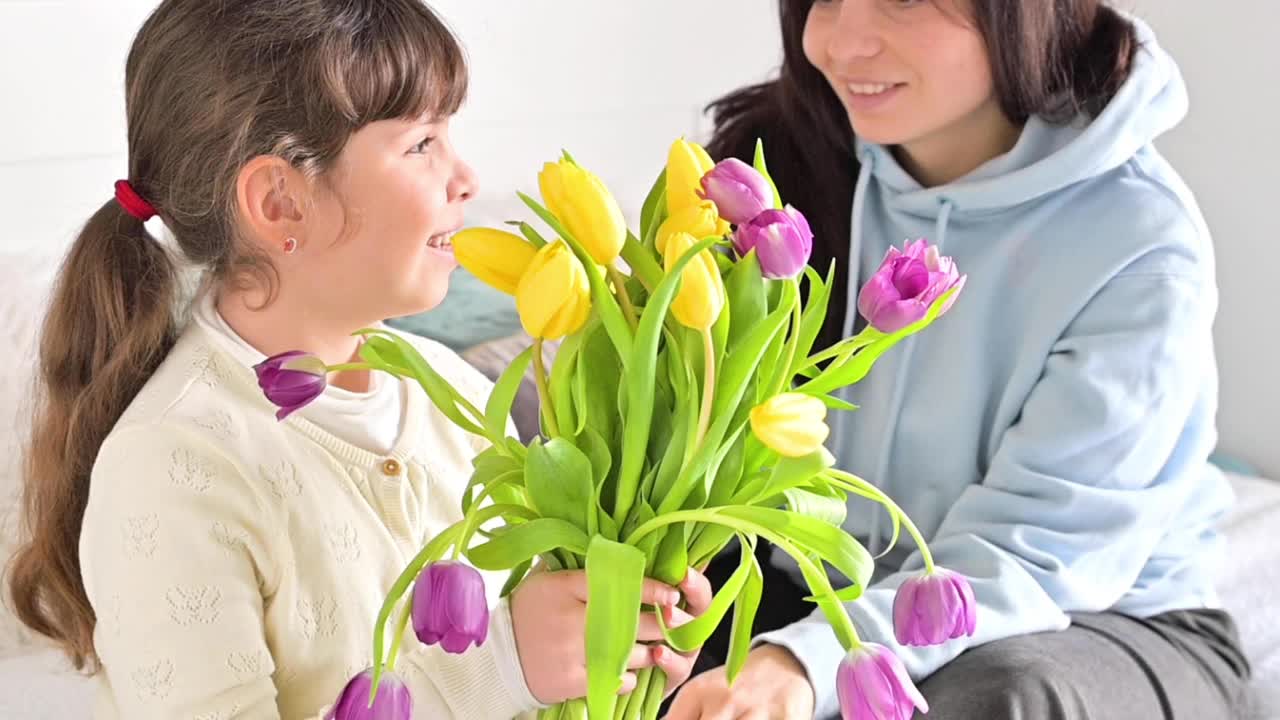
pixel 701 296
pixel 554 295
pixel 687 162
pixel 792 424
pixel 583 203
pixel 496 257
pixel 699 220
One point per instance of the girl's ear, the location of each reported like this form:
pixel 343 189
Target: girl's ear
pixel 270 203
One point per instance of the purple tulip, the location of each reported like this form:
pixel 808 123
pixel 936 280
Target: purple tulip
pixel 739 191
pixel 291 380
pixel 449 606
pixel 906 286
pixel 934 608
pixel 782 240
pixel 872 684
pixel 392 703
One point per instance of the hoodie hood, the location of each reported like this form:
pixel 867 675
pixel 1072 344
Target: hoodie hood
pixel 1049 157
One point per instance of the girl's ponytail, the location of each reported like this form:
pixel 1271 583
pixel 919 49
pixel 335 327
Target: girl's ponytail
pixel 109 326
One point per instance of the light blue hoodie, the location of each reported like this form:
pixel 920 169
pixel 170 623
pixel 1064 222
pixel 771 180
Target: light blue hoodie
pixel 1050 434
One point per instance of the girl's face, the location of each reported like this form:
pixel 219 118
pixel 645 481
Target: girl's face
pixel 907 72
pixel 378 237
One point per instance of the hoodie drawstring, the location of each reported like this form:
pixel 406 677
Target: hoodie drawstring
pixel 940 227
pixel 868 161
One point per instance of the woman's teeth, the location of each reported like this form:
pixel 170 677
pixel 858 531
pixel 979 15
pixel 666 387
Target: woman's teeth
pixel 441 241
pixel 870 88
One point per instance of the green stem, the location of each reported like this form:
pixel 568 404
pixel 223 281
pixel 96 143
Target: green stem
pixel 622 710
pixel 575 709
pixel 635 701
pixel 857 485
pixel 429 552
pixel 840 622
pixel 868 336
pixel 841 625
pixel 639 257
pixel 708 385
pixel 624 299
pixel 469 523
pixel 344 367
pixel 785 374
pixel 544 396
pixel 653 696
pixel 394 653
pixel 477 417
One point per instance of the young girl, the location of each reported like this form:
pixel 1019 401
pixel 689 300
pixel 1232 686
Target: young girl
pixel 206 560
pixel 1050 435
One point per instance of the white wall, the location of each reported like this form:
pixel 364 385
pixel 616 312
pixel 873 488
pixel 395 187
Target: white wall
pixel 1229 152
pixel 584 75
pixel 593 77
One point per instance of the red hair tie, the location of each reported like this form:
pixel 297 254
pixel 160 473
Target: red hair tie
pixel 132 202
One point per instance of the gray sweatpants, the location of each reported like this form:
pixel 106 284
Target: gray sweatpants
pixel 1184 665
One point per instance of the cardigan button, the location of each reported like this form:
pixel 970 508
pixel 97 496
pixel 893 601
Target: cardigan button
pixel 391 467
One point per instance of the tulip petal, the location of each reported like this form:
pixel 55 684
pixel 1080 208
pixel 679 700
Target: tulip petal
pixel 916 249
pixel 906 285
pixel 969 618
pixel 699 220
pixel 553 297
pixel 701 296
pixel 290 380
pixel 782 240
pixel 909 695
pixel 393 701
pixel 450 607
pixel 585 206
pixel 686 164
pixel 790 424
pixel 933 608
pixel 904 612
pixel 910 277
pixel 739 191
pixel 878 291
pixel 496 257
pixel 876 690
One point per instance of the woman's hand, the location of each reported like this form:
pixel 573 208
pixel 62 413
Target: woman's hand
pixel 549 615
pixel 772 686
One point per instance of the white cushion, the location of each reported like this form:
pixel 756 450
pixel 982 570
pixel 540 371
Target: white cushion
pixel 41 685
pixel 1250 585
pixel 25 283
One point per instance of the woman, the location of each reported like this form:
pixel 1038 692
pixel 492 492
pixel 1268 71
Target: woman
pixel 1051 434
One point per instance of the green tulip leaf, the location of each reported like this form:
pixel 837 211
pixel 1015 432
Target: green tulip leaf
pixel 560 481
pixel 615 579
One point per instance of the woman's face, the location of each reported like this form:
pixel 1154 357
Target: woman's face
pixel 907 71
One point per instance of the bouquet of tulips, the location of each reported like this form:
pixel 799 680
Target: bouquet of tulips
pixel 685 408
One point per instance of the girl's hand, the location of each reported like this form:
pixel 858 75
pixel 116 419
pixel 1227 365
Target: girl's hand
pixel 697 594
pixel 549 614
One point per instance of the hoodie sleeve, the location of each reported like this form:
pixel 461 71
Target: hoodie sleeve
pixel 1082 486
